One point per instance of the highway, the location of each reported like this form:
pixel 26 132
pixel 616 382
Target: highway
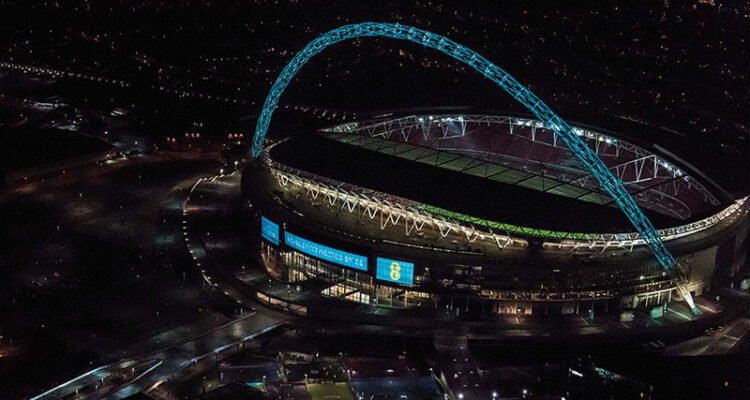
pixel 197 353
pixel 727 340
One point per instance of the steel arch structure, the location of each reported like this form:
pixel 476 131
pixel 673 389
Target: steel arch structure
pixel 509 84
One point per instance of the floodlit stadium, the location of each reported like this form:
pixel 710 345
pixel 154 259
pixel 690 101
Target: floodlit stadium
pixel 332 208
pixel 485 214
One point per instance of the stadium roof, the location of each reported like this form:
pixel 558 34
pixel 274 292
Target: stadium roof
pixel 447 189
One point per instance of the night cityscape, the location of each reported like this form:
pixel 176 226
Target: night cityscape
pixel 374 200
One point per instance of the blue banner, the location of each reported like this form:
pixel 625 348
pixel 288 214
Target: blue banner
pixel 325 253
pixel 269 230
pixel 396 271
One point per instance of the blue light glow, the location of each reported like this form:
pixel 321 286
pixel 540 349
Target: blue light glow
pixel 326 253
pixel 269 230
pixel 549 119
pixel 395 271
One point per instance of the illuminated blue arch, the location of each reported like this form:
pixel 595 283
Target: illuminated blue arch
pixel 496 74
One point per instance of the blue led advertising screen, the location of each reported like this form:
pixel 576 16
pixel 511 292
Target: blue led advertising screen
pixel 269 230
pixel 325 253
pixel 395 271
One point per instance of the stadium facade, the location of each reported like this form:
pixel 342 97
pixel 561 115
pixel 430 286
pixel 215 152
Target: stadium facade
pixel 388 243
pixel 532 233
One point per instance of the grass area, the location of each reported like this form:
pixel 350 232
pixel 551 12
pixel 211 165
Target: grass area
pixel 330 391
